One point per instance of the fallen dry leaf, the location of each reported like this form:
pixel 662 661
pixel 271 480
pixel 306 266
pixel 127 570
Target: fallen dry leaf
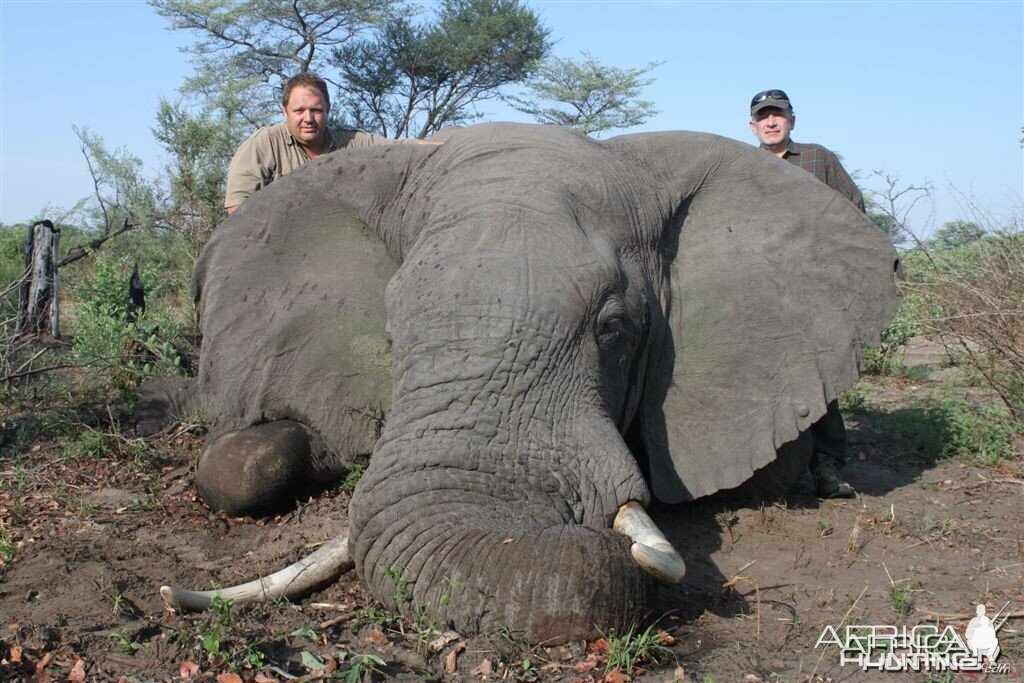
pixel 563 654
pixel 599 646
pixel 484 670
pixel 442 641
pixel 45 661
pixel 451 660
pixel 188 669
pixel 679 674
pixel 584 667
pixel 229 678
pixel 377 637
pixel 330 666
pixel 264 678
pixel 614 676
pixel 16 654
pixel 77 673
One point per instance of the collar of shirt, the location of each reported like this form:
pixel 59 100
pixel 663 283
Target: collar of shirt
pixel 792 148
pixel 333 141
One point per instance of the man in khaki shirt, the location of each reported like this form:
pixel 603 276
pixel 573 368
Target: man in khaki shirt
pixel 274 151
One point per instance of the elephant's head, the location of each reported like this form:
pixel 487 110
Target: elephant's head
pixel 546 294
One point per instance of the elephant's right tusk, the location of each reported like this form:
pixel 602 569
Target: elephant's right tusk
pixel 651 549
pixel 312 571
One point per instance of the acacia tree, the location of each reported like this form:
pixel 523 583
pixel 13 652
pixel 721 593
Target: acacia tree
pixel 412 79
pixel 248 48
pixel 587 95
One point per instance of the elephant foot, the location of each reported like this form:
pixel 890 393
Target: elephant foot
pixel 256 470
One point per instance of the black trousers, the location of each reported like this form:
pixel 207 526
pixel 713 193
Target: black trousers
pixel 829 435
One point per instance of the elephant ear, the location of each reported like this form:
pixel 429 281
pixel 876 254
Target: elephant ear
pixel 775 283
pixel 290 294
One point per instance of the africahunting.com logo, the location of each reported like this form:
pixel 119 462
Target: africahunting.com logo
pixel 927 647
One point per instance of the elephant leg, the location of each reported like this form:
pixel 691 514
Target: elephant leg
pixel 778 477
pixel 162 402
pixel 257 469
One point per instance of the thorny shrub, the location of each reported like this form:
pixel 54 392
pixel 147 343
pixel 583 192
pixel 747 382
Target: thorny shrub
pixel 971 299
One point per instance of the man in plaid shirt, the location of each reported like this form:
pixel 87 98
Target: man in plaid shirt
pixel 771 121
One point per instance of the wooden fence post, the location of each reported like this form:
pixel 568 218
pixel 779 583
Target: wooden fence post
pixel 39 308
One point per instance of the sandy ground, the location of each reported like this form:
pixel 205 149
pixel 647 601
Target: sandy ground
pixel 97 537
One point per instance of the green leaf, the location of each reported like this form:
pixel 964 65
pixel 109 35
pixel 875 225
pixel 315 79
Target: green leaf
pixel 311 662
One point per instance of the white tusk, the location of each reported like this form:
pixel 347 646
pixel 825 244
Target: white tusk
pixel 651 549
pixel 312 571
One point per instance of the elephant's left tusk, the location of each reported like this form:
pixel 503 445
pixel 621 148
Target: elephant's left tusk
pixel 316 569
pixel 651 549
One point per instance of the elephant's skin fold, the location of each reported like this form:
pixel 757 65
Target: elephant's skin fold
pixel 530 336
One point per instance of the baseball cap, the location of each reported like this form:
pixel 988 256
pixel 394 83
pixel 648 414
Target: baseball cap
pixel 770 98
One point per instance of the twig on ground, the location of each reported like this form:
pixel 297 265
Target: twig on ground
pixel 730 586
pixel 329 605
pixel 282 673
pixel 30 360
pixel 38 371
pixel 888 574
pixel 1002 480
pixel 334 621
pixel 914 545
pixel 958 616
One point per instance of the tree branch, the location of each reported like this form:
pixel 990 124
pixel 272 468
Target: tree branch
pixel 82 251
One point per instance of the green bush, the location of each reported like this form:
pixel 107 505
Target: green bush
pixel 985 432
pixel 90 444
pixel 164 266
pixel 885 360
pixel 115 349
pixel 12 258
pixel 951 426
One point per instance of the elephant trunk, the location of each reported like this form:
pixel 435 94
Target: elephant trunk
pixel 545 584
pixel 488 549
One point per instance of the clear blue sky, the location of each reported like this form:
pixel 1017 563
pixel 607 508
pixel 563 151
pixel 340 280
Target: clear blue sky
pixel 926 91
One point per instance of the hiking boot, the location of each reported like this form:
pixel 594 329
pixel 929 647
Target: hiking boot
pixel 828 483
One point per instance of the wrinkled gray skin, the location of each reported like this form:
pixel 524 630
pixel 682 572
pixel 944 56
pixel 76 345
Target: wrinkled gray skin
pixel 544 293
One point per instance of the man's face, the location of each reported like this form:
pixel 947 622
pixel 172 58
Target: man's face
pixel 772 127
pixel 306 116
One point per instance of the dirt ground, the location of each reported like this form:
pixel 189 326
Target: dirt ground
pixel 95 537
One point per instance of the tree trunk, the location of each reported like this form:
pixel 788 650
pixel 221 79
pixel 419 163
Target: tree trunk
pixel 39 308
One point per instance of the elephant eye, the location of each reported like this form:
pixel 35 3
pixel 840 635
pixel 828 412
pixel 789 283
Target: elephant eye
pixel 613 323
